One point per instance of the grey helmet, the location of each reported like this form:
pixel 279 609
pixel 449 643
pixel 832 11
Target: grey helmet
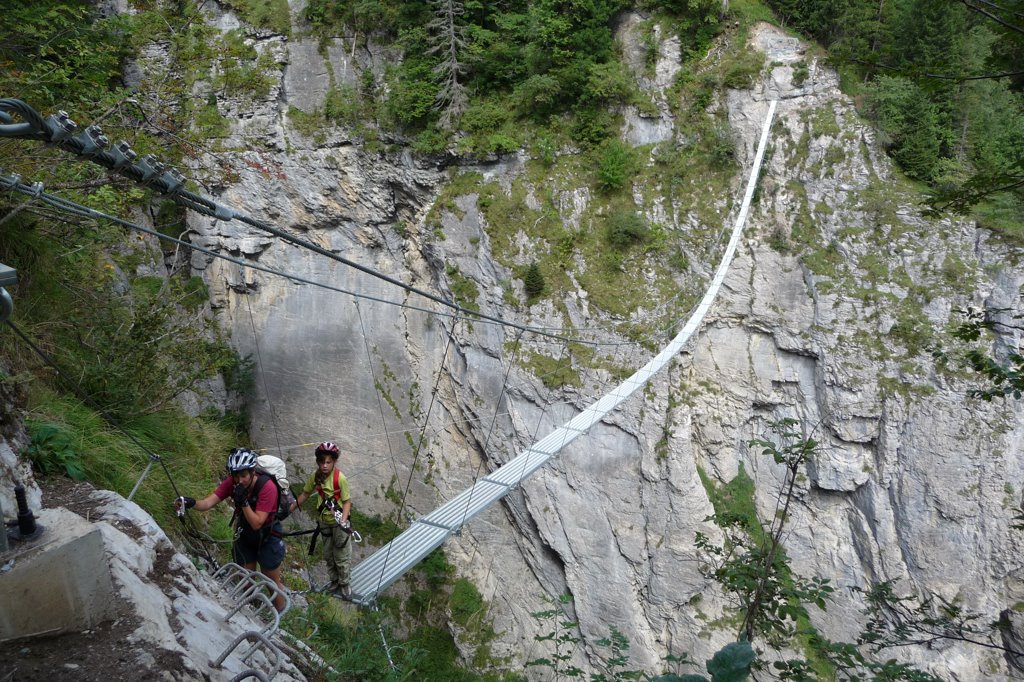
pixel 241 459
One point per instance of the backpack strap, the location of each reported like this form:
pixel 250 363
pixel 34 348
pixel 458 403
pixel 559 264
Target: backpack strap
pixel 261 480
pixel 337 489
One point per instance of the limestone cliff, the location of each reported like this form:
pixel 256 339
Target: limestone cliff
pixel 821 320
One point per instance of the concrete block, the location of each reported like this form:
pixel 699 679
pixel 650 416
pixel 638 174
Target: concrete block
pixel 59 582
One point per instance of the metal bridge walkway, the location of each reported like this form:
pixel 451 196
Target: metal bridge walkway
pixel 382 568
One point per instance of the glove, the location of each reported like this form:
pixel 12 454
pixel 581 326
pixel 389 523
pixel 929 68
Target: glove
pixel 240 495
pixel 183 503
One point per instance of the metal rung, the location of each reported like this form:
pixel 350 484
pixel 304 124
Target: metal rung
pixel 261 641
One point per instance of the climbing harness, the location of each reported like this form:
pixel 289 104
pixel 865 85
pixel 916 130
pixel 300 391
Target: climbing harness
pixel 345 525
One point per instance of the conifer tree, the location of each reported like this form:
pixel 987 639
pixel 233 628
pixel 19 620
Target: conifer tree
pixel 533 281
pixel 447 38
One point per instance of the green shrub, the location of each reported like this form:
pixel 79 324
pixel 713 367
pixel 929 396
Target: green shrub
pixel 537 95
pixel 615 165
pixel 268 14
pixel 52 452
pixel 485 117
pixel 625 228
pixel 740 74
pixel 412 95
pixel 342 104
pixel 800 72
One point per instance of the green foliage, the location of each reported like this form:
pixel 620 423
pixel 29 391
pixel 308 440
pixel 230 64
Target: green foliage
pixel 1003 376
pixel 242 69
pixel 133 348
pixel 412 95
pixel 329 18
pixel 533 281
pixel 58 53
pixel 625 228
pixel 69 434
pixel 751 565
pixel 560 632
pixel 436 569
pixel 940 86
pixel 209 122
pixel 742 72
pixel 800 72
pixel 51 451
pixel 553 372
pixel 465 602
pixel 464 289
pixel 609 83
pixel 615 165
pixel 732 663
pixel 343 104
pixel 268 14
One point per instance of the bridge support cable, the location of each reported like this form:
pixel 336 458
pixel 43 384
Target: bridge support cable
pixel 91 144
pixel 259 362
pixel 494 417
pixel 420 441
pixel 380 399
pixel 382 568
pixel 196 540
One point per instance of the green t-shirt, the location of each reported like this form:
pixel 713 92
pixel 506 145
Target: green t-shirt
pixel 327 516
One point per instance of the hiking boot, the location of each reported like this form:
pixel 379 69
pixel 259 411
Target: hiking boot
pixel 331 587
pixel 344 592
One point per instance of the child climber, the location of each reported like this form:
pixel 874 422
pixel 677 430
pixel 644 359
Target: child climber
pixel 332 487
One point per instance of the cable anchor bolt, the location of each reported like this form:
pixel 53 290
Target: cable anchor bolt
pixel 123 155
pixel 91 141
pixel 172 180
pixel 149 167
pixel 59 127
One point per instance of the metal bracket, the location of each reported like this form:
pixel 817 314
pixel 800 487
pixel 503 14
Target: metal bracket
pixel 8 277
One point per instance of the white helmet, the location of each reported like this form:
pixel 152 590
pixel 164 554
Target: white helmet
pixel 241 459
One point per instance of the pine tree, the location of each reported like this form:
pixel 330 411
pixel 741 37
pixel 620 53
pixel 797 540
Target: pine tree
pixel 533 281
pixel 448 38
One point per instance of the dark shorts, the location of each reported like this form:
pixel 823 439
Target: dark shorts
pixel 262 548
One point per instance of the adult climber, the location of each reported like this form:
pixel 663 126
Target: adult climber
pixel 257 531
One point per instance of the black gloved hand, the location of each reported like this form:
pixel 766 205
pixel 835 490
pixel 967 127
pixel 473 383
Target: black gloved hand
pixel 183 503
pixel 240 495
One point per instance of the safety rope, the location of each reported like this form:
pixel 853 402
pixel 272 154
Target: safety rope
pixel 91 144
pixel 13 183
pixel 494 420
pixel 263 374
pixel 153 457
pixel 419 444
pixel 380 400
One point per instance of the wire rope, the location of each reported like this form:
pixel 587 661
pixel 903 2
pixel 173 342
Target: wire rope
pixel 153 457
pixel 14 184
pixel 91 145
pixel 373 375
pixel 419 444
pixel 540 419
pixel 490 430
pixel 263 375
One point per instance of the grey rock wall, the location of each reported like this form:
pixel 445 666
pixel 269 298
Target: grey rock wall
pixel 915 483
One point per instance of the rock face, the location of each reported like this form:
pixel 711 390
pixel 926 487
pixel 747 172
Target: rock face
pixel 914 482
pixel 141 607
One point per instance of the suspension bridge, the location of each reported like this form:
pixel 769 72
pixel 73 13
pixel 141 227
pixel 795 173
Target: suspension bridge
pixel 389 563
